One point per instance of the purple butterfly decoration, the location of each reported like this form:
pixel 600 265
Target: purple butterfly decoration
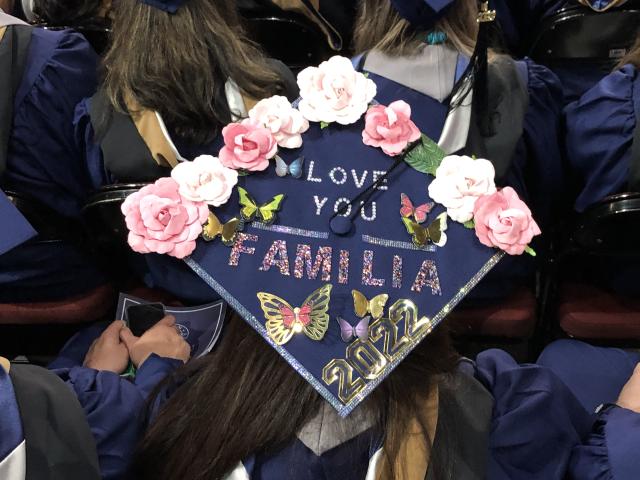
pixel 348 332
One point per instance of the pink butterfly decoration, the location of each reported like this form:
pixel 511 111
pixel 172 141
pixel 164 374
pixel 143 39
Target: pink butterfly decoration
pixel 302 315
pixel 419 213
pixel 348 332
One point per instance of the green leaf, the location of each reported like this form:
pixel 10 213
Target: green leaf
pixel 366 74
pixel 425 157
pixel 324 125
pixel 530 251
pixel 470 224
pixel 243 173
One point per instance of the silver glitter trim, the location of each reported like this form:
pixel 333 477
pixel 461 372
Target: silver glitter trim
pixel 435 321
pixel 383 242
pixel 257 325
pixel 290 230
pixel 343 410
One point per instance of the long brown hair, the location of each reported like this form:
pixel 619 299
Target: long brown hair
pixel 380 27
pixel 633 57
pixel 178 64
pixel 244 399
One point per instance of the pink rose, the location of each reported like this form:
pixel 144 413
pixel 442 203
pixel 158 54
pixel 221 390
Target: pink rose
pixel 504 221
pixel 160 220
pixel 459 182
pixel 390 128
pixel 334 92
pixel 285 123
pixel 247 145
pixel 205 180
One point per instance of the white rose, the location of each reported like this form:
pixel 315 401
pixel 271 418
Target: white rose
pixel 459 182
pixel 205 179
pixel 285 122
pixel 334 92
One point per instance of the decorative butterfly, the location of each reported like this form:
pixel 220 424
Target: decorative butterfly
pixel 348 332
pixel 265 213
pixel 434 233
pixel 283 321
pixel 227 232
pixel 294 168
pixel 419 213
pixel 375 306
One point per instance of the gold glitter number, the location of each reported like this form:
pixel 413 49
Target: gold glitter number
pixel 338 370
pixel 388 329
pixel 366 359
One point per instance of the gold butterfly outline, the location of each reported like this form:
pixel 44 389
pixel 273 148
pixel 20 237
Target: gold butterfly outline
pixel 434 233
pixel 227 232
pixel 283 320
pixel 375 306
pixel 265 213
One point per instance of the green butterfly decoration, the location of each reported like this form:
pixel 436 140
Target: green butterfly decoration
pixel 265 213
pixel 434 233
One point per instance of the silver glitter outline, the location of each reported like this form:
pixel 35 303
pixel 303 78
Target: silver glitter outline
pixel 343 410
pixel 259 327
pixel 290 230
pixel 383 242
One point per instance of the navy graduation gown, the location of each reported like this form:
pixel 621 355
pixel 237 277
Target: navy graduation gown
pixel 600 128
pixel 535 424
pixel 596 375
pixel 44 164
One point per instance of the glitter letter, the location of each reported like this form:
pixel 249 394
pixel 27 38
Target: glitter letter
pixel 303 259
pixel 239 248
pixel 337 206
pixel 377 174
pixel 278 247
pixel 372 217
pixel 397 271
pixel 428 269
pixel 310 177
pixel 367 271
pixel 343 270
pixel 319 204
pixel 343 174
pixel 359 181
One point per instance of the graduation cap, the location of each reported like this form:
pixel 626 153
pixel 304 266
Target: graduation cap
pixel 336 250
pixel 422 13
pixel 17 229
pixel 602 5
pixel 170 6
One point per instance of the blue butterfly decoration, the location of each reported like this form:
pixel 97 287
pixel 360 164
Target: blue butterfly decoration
pixel 294 169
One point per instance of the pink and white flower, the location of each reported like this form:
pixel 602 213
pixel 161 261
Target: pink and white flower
pixel 285 123
pixel 334 92
pixel 205 179
pixel 160 220
pixel 390 128
pixel 459 182
pixel 503 220
pixel 247 145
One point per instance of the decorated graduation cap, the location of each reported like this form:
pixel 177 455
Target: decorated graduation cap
pixel 170 6
pixel 602 5
pixel 338 229
pixel 422 13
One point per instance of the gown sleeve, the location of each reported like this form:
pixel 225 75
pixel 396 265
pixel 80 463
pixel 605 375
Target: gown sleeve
pixel 600 128
pixel 536 420
pixel 538 159
pixel 115 409
pixel 610 452
pixel 43 159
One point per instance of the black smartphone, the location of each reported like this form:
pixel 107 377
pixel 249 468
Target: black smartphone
pixel 141 318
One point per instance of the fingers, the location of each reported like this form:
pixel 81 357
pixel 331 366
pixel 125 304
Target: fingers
pixel 112 332
pixel 128 338
pixel 168 320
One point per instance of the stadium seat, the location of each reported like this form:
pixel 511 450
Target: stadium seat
pixel 587 309
pixel 577 33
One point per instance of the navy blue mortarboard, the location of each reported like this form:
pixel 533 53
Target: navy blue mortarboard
pixel 343 279
pixel 170 6
pixel 422 13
